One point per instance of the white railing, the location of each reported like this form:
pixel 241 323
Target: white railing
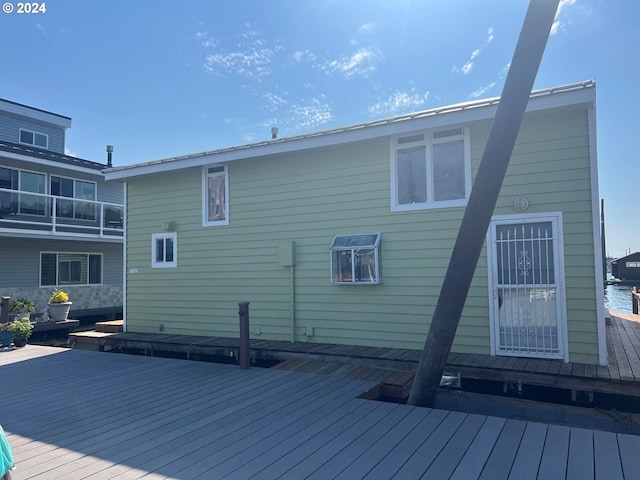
pixel 49 213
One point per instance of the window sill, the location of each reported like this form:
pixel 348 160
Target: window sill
pixel 429 206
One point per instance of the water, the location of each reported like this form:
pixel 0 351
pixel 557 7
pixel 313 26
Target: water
pixel 618 297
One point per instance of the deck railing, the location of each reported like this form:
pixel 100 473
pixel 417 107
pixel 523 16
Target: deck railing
pixel 39 212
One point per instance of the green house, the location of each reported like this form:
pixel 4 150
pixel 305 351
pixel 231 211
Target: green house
pixel 343 236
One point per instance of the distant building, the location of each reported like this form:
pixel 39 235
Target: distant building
pixel 627 268
pixel 61 224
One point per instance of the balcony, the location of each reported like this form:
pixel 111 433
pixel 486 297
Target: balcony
pixel 36 213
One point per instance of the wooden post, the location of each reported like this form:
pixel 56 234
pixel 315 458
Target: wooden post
pixel 244 351
pixel 4 309
pixel 635 300
pixel 482 201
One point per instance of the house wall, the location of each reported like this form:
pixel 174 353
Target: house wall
pixel 10 125
pixel 310 196
pixel 20 273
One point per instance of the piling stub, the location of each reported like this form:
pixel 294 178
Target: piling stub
pixel 244 351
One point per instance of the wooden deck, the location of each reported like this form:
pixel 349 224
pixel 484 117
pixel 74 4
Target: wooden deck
pixel 388 366
pixel 76 414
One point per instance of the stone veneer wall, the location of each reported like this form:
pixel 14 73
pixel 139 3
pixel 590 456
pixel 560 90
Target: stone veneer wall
pixel 83 297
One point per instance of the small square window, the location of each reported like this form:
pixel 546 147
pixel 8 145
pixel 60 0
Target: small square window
pixel 164 250
pixel 34 138
pixel 355 259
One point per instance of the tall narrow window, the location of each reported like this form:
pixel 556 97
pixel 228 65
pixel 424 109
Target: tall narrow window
pixel 215 196
pixel 164 250
pixel 35 184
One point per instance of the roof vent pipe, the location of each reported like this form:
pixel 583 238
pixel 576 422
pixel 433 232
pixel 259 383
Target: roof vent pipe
pixel 109 154
pixel 274 133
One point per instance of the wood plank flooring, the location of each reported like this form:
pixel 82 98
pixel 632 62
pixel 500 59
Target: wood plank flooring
pixel 74 414
pixel 621 376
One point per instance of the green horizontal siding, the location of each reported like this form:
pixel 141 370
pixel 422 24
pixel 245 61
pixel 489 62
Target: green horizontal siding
pixel 310 196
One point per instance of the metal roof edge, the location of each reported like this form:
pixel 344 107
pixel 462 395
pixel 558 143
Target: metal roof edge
pixel 46 157
pixel 35 113
pixel 575 93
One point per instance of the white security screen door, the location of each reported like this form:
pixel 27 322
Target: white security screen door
pixel 526 280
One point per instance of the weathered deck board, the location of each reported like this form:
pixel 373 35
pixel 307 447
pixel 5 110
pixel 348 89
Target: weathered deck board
pixel 621 376
pixel 76 414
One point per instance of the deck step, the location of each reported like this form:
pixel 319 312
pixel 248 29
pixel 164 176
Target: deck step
pixel 112 326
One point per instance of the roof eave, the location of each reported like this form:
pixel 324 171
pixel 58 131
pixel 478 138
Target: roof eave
pixel 573 94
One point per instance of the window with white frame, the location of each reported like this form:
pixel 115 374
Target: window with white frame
pixel 355 259
pixel 215 192
pixel 63 268
pixel 36 139
pixel 164 250
pixel 430 169
pixel 633 265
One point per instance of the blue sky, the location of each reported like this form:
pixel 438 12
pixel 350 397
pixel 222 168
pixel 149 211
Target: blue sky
pixel 158 78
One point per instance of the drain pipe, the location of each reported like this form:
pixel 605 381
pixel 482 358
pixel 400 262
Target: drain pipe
pixel 287 258
pixel 293 302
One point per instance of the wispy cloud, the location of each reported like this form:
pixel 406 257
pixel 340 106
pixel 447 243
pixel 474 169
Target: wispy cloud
pixel 399 102
pixel 303 56
pixel 482 90
pixel 366 28
pixel 360 63
pixel 466 68
pixel 274 102
pixel 251 59
pixel 311 114
pixel 479 92
pixel 292 117
pixel 205 40
pixel 557 23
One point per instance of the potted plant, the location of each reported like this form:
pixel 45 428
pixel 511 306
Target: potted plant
pixel 21 330
pixel 59 305
pixel 6 337
pixel 19 306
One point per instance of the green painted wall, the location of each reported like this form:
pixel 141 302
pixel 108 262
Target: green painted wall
pixel 310 196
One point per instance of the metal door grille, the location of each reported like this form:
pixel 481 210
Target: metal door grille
pixel 526 290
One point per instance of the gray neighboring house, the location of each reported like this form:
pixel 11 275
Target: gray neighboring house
pixel 61 224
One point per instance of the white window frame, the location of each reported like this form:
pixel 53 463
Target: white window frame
pixel 164 236
pixel 33 143
pixel 428 142
pixel 224 170
pixel 351 248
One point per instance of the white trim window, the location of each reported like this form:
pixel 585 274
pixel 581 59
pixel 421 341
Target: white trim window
pixel 215 195
pixel 36 139
pixel 355 259
pixel 68 268
pixel 430 169
pixel 164 250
